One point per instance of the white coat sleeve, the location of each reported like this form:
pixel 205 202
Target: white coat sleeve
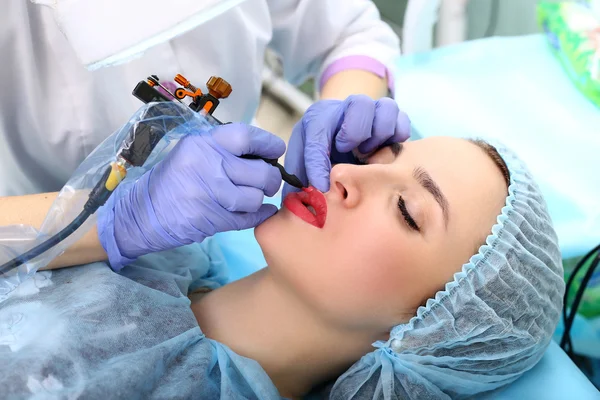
pixel 320 37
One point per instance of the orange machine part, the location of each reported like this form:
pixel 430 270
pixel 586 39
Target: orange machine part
pixel 182 80
pixel 218 87
pixel 207 106
pixel 182 93
pixel 193 90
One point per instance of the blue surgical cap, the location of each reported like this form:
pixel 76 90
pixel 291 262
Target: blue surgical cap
pixel 488 326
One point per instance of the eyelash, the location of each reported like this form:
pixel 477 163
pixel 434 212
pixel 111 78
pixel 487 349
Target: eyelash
pixel 401 203
pixel 362 161
pixel 407 217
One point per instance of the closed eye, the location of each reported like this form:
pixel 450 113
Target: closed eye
pixel 407 217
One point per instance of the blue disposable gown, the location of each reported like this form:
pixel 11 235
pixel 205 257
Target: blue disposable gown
pixel 87 332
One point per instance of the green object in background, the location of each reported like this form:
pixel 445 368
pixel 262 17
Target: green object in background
pixel 590 302
pixel 573 32
pixel 308 87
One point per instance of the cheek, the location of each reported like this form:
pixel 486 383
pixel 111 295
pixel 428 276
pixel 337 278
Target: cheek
pixel 357 270
pixel 367 265
pixel 371 272
pixel 381 272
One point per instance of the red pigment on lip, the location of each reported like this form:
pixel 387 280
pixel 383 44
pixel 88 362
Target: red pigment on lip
pixel 298 202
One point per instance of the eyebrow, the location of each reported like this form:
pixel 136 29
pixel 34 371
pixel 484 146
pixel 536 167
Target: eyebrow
pixel 427 182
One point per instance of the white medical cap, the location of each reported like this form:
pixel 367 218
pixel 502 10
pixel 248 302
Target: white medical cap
pixel 489 325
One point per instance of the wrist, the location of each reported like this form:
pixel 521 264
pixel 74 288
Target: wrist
pixel 356 75
pixel 108 240
pixel 349 82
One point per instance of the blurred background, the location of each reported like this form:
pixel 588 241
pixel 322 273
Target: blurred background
pixel 282 104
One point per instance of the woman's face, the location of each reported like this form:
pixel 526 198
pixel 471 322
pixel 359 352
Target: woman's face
pixel 396 231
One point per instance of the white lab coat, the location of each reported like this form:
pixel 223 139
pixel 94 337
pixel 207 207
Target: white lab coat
pixel 53 112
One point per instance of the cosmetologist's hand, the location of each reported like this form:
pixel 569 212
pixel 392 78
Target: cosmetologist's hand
pixel 202 187
pixel 332 130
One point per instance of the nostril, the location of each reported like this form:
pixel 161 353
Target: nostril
pixel 342 189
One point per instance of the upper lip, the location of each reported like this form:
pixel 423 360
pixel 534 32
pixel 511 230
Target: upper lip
pixel 301 203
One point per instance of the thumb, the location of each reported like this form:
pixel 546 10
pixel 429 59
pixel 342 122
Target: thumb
pixel 402 132
pixel 318 166
pixel 317 151
pixel 252 220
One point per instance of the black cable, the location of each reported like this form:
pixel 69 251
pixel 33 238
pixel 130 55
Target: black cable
pixel 575 271
pixel 48 244
pixel 576 302
pixel 97 198
pixel 135 151
pixel 566 338
pixel 493 21
pixel 566 343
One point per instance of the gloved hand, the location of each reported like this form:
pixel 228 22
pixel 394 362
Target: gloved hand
pixel 357 124
pixel 201 187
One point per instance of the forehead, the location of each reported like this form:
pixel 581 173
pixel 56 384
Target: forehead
pixel 447 152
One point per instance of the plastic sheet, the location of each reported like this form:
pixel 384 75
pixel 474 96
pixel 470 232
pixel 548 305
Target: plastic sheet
pixel 171 119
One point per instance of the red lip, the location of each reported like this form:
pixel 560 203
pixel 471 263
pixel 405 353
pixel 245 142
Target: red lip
pixel 298 202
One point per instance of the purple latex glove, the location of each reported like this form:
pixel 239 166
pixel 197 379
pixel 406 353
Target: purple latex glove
pixel 357 124
pixel 201 187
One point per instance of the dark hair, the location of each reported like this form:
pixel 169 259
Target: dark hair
pixel 495 156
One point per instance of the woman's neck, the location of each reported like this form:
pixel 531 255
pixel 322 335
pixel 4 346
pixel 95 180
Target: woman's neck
pixel 263 320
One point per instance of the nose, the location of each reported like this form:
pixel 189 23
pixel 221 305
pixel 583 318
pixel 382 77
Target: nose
pixel 347 184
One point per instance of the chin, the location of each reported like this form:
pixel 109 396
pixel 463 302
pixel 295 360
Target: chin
pixel 275 238
pixel 267 232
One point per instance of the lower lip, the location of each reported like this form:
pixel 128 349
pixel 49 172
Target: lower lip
pixel 297 203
